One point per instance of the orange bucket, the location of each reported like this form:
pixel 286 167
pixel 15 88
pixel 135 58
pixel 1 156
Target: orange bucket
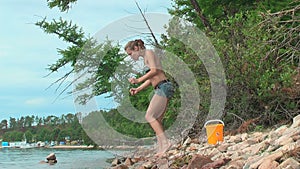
pixel 214 132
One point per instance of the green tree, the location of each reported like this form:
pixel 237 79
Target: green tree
pixel 62 120
pixel 63 5
pixel 21 122
pixel 55 133
pixel 29 136
pixel 63 134
pixel 257 49
pixel 38 121
pixel 11 136
pixel 4 124
pixel 28 121
pixel 100 59
pixel 44 134
pixel 12 123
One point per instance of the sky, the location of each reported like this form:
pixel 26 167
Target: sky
pixel 26 51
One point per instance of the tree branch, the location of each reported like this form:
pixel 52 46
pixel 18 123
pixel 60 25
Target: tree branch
pixel 200 14
pixel 151 32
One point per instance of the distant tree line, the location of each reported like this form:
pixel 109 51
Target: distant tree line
pixel 50 128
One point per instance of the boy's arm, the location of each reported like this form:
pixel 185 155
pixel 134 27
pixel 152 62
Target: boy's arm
pixel 144 85
pixel 134 91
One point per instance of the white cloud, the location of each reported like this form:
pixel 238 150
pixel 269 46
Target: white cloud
pixel 24 77
pixel 35 101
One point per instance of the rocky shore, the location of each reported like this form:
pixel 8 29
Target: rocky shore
pixel 277 148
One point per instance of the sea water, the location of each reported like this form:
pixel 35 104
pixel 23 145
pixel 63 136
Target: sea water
pixel 11 158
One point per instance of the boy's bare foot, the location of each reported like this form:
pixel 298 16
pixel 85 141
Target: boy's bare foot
pixel 163 149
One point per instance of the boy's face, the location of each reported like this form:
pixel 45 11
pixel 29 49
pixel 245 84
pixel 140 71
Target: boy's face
pixel 134 54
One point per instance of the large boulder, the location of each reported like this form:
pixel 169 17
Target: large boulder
pixel 51 159
pixel 51 156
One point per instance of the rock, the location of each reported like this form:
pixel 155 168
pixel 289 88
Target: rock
pixel 195 141
pixel 257 135
pixel 295 138
pixel 148 164
pixel 140 167
pixel 243 145
pixel 236 154
pixel 154 167
pixel 115 162
pixel 216 164
pixel 52 162
pixel 136 159
pixel 223 147
pixel 284 140
pixel 235 139
pixel 198 161
pixel 213 152
pixel 251 141
pixel 233 148
pixel 271 157
pixel 296 122
pixel 163 164
pixel 238 147
pixel 268 164
pixel 244 136
pixel 177 155
pixel 281 130
pixel 272 148
pixel 289 147
pixel 289 163
pixel 192 148
pixel 121 166
pixel 51 156
pixel 275 156
pixel 238 139
pixel 256 148
pixel 231 167
pixel 252 159
pixel 237 164
pixel 172 152
pixel 187 142
pixel 292 132
pixel 128 162
pixel 272 136
pixel 51 159
pixel 184 167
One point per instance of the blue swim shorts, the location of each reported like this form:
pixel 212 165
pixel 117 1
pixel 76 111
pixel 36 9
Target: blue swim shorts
pixel 164 88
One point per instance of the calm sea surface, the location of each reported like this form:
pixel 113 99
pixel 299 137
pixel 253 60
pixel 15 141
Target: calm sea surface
pixel 67 159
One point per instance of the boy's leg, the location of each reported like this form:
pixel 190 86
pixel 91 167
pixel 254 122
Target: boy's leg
pixel 154 116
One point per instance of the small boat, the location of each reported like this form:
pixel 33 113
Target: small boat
pixel 40 144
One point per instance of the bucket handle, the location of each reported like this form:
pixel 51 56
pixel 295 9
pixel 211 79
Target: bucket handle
pixel 209 121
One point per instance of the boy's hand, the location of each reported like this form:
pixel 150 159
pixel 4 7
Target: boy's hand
pixel 133 80
pixel 133 91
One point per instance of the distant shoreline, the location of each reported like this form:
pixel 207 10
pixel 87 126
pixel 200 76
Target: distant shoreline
pixel 72 147
pixel 58 147
pixel 80 147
